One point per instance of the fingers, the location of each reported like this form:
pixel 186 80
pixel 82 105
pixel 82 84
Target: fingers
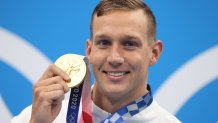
pixel 52 71
pixel 50 90
pixel 53 83
pixel 51 97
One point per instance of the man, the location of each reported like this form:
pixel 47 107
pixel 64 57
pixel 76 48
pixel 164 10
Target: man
pixel 121 48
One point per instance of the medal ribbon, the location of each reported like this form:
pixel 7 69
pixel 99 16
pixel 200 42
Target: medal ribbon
pixel 73 105
pixel 130 109
pixel 86 98
pixel 84 89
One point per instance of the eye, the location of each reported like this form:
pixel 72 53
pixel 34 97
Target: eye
pixel 103 43
pixel 130 44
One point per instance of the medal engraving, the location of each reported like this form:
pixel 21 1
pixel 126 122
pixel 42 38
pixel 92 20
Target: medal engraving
pixel 74 66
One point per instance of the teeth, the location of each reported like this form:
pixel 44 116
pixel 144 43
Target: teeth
pixel 116 74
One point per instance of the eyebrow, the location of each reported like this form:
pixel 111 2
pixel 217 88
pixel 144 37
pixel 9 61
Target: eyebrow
pixel 123 37
pixel 101 36
pixel 129 37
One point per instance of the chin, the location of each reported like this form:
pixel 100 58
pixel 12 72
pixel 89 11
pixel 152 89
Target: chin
pixel 114 90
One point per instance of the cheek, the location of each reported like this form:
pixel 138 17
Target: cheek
pixel 140 68
pixel 92 56
pixel 96 58
pixel 138 61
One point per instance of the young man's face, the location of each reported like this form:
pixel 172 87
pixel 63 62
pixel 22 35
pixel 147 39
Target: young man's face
pixel 120 54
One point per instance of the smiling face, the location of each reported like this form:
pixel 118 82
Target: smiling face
pixel 120 54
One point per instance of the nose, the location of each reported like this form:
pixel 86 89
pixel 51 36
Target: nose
pixel 115 58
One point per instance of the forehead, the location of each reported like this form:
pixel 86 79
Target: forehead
pixel 134 21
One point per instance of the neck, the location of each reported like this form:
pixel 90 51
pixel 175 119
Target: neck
pixel 112 104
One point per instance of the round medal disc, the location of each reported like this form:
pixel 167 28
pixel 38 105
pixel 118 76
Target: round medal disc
pixel 74 66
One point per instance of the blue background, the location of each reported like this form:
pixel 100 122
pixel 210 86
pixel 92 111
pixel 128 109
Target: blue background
pixel 186 28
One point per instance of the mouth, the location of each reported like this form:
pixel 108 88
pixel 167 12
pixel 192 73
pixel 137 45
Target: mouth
pixel 116 75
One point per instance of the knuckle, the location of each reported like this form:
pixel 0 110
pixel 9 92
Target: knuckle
pixel 35 86
pixel 50 68
pixel 42 96
pixel 60 86
pixel 37 92
pixel 58 78
pixel 61 92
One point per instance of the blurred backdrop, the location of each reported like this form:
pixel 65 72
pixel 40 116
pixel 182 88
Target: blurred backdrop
pixel 34 34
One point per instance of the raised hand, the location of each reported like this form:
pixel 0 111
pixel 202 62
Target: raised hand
pixel 48 93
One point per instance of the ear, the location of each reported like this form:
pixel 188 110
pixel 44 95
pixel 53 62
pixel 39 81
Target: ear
pixel 88 48
pixel 156 49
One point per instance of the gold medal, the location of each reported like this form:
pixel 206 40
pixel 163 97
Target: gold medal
pixel 74 66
